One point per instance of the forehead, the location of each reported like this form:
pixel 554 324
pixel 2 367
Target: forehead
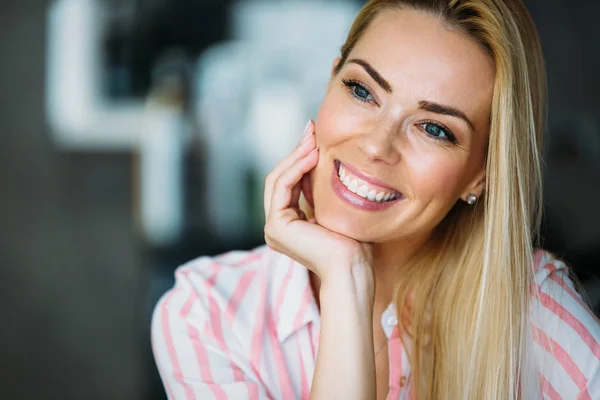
pixel 419 56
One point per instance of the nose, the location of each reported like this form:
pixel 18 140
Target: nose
pixel 379 144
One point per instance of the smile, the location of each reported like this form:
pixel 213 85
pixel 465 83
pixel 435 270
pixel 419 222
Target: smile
pixel 361 191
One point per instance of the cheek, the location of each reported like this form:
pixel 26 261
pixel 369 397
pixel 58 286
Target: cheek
pixel 335 122
pixel 435 177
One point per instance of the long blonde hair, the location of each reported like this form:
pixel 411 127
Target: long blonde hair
pixel 475 273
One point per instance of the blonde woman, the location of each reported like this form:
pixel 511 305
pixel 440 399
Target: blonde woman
pixel 417 188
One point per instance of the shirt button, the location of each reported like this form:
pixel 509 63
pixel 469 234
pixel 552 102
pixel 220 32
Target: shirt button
pixel 392 321
pixel 402 381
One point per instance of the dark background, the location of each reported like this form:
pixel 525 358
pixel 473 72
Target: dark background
pixel 76 282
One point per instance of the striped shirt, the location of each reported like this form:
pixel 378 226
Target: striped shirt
pixel 245 325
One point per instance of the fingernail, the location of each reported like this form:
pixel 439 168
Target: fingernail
pixel 307 132
pixel 313 150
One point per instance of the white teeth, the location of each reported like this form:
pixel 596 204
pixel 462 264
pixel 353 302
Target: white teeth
pixel 353 186
pixel 363 191
pixel 372 194
pixel 361 188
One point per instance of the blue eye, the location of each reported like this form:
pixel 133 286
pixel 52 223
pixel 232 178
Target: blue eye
pixel 438 132
pixel 435 130
pixel 362 93
pixel 358 91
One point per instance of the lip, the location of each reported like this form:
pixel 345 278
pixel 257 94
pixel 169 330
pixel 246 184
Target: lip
pixel 371 180
pixel 355 200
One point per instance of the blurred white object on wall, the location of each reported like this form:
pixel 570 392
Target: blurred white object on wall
pixel 255 94
pixel 252 97
pixel 80 117
pixel 161 154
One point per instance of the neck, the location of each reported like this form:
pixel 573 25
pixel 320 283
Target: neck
pixel 388 261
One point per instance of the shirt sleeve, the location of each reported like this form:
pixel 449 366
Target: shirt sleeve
pixel 193 358
pixel 566 335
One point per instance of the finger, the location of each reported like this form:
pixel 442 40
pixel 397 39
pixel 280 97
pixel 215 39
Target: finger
pixel 276 173
pixel 308 131
pixel 296 191
pixel 301 214
pixel 286 183
pixel 305 146
pixel 306 189
pixel 284 165
pixel 300 150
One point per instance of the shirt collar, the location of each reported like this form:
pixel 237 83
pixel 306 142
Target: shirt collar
pixel 389 320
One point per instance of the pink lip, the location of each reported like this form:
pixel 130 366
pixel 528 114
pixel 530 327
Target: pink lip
pixel 355 200
pixel 369 179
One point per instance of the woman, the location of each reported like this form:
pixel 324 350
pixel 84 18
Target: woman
pixel 421 176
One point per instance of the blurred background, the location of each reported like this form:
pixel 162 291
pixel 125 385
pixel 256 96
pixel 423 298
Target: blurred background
pixel 130 131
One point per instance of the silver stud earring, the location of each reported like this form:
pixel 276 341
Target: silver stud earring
pixel 472 199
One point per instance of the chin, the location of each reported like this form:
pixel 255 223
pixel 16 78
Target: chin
pixel 345 225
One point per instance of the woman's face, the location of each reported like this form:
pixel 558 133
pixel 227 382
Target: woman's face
pixel 407 120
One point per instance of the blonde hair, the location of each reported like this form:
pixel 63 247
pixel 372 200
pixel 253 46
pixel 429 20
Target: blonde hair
pixel 475 273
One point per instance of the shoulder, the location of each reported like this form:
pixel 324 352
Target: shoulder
pixel 555 286
pixel 230 284
pixel 547 265
pixel 558 296
pixel 219 277
pixel 566 332
pixel 237 292
pixel 207 331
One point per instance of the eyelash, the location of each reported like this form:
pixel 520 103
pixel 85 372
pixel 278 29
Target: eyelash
pixel 449 135
pixel 351 85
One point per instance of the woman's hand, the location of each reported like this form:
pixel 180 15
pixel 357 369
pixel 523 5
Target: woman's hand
pixel 344 369
pixel 287 231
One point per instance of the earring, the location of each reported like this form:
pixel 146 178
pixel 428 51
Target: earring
pixel 472 199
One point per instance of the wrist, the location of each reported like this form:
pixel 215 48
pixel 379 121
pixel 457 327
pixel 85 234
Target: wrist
pixel 355 285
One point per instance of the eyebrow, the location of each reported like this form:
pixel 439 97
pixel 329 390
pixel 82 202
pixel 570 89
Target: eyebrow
pixel 445 110
pixel 423 105
pixel 373 73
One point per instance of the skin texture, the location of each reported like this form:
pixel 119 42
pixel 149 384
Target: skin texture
pixel 383 138
pixel 352 254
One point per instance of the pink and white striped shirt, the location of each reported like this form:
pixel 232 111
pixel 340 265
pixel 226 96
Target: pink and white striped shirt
pixel 245 325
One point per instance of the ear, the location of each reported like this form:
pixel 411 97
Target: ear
pixel 476 187
pixel 336 62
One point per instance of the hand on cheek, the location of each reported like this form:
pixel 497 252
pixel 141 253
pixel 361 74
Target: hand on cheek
pixel 287 229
